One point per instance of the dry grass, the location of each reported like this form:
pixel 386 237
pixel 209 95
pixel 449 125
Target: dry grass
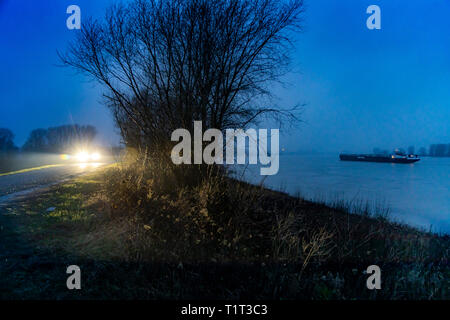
pixel 221 220
pixel 142 235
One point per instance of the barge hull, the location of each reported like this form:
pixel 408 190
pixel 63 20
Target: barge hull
pixel 367 158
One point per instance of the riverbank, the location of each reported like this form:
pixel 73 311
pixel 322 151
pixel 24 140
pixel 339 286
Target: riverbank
pixel 135 238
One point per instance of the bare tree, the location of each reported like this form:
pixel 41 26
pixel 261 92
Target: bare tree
pixel 167 63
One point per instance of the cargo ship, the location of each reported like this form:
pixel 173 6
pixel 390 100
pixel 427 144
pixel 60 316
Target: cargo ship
pixel 391 158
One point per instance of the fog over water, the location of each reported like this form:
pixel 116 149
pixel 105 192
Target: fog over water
pixel 417 194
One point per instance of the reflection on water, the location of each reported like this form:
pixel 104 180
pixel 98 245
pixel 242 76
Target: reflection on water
pixel 418 194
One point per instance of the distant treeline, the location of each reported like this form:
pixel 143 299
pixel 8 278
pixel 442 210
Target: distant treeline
pixel 52 140
pixel 59 139
pixel 435 150
pixel 42 146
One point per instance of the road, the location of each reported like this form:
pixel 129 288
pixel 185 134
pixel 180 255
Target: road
pixel 22 182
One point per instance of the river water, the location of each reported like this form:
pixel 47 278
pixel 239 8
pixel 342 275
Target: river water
pixel 417 194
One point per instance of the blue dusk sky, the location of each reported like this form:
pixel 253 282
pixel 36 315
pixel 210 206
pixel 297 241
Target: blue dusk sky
pixel 361 88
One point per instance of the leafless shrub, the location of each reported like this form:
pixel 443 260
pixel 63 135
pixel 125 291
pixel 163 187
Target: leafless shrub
pixel 316 246
pixel 286 238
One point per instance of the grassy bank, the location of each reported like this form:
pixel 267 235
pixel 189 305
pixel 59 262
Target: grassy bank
pixel 135 237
